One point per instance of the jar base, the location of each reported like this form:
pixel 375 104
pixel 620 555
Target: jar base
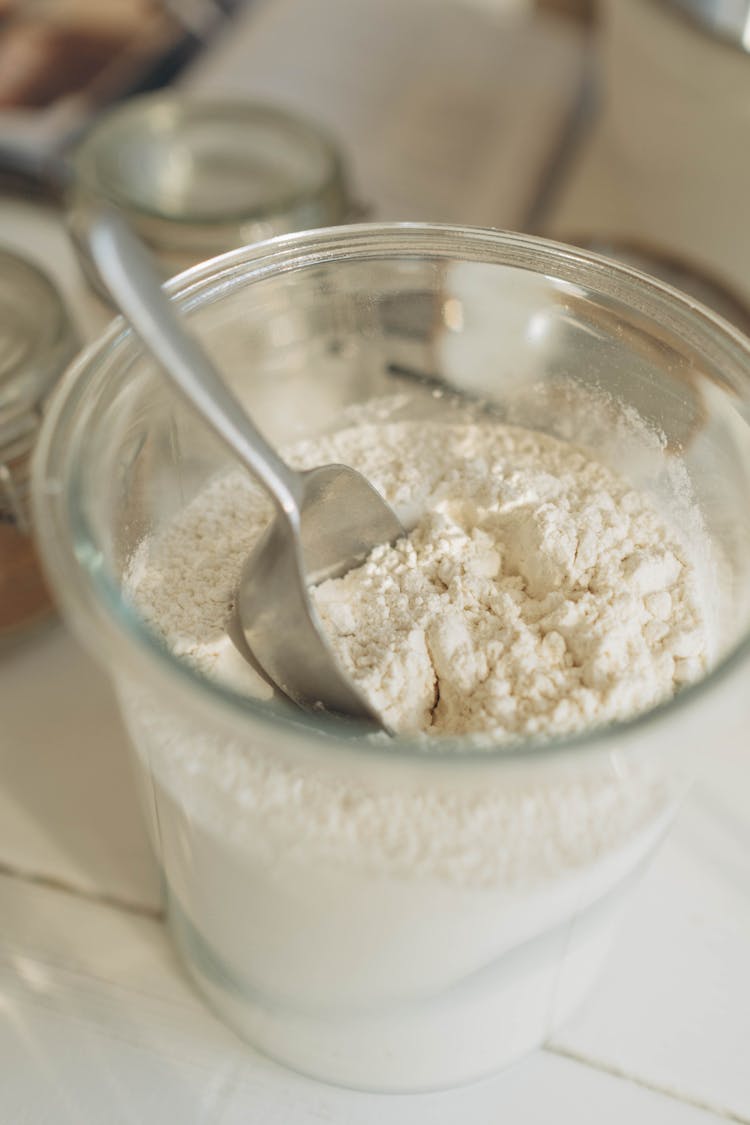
pixel 469 1032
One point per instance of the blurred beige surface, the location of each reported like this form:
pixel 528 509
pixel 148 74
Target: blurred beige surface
pixel 668 161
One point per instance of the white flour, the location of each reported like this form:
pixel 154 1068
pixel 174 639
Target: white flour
pixel 538 594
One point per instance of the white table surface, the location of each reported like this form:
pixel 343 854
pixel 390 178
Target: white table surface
pixel 98 1024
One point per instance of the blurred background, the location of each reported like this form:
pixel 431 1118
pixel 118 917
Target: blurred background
pixel 620 124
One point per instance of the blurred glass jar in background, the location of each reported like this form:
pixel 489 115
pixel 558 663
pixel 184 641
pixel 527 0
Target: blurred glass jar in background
pixel 197 178
pixel 37 340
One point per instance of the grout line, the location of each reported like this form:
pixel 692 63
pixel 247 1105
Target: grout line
pixel 52 883
pixel 645 1083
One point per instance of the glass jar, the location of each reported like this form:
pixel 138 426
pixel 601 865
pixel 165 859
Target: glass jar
pixel 196 178
pixel 36 342
pixel 381 914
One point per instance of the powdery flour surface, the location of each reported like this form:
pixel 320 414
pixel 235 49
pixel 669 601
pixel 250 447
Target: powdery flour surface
pixel 536 594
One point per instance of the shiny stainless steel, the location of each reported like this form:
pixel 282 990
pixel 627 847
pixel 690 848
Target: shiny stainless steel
pixel 725 19
pixel 327 519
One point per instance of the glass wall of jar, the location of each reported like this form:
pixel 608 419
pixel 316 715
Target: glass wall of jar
pixel 398 914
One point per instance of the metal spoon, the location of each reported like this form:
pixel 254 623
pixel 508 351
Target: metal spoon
pixel 327 519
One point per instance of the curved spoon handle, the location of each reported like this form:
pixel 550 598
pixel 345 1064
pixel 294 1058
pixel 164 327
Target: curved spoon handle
pixel 130 277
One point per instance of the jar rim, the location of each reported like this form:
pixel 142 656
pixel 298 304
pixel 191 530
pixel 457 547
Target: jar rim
pixel 166 113
pixel 95 602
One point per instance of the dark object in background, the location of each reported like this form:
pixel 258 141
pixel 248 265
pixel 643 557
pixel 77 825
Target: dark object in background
pixel 40 62
pixel 54 50
pixel 61 62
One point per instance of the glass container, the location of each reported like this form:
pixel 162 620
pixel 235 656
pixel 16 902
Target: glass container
pixel 37 341
pixel 196 178
pixel 385 914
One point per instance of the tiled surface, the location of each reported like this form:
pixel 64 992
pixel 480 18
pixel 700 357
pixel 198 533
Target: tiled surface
pixel 98 1025
pixel 673 1009
pixel 67 798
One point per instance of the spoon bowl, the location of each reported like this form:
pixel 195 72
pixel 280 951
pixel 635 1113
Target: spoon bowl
pixel 327 520
pixel 341 518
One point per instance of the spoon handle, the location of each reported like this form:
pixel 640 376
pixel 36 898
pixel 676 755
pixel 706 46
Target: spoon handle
pixel 130 277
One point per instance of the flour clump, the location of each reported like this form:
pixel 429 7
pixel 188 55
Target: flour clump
pixel 538 594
